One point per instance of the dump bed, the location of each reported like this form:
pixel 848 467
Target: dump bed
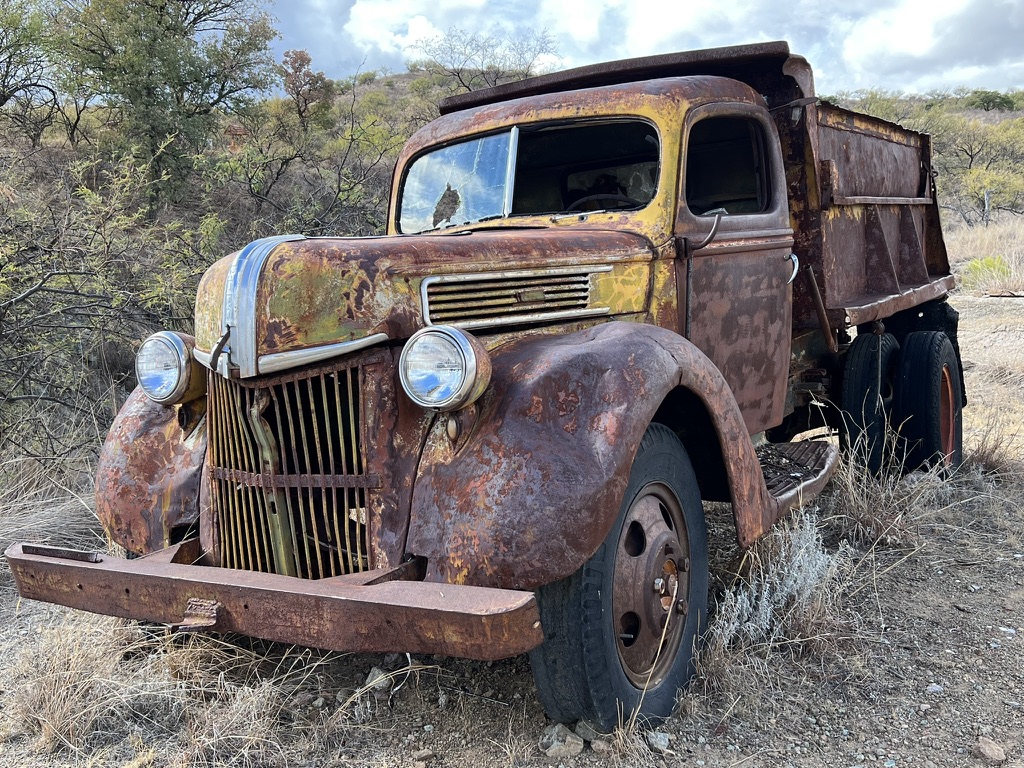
pixel 865 215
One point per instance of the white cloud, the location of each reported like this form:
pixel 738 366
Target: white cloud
pixel 578 21
pixel 895 44
pixel 394 25
pixel 905 29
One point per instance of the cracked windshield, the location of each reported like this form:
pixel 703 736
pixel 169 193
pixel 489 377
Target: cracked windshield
pixel 455 185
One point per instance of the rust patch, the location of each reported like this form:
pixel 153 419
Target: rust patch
pixel 534 491
pixel 343 613
pixel 149 474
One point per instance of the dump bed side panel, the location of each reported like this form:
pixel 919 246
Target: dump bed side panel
pixel 868 222
pixel 868 157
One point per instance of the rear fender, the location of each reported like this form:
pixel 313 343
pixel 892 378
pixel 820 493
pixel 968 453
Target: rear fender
pixel 530 486
pixel 150 472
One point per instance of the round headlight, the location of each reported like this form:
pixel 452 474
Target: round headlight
pixel 444 368
pixel 163 367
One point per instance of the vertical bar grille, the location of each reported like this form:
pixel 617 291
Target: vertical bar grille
pixel 288 473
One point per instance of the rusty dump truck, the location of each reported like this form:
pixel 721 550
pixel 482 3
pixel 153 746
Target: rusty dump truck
pixel 606 296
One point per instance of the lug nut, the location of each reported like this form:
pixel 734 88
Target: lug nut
pixel 681 606
pixel 659 585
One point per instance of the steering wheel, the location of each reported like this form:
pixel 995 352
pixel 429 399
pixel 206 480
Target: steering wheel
pixel 625 200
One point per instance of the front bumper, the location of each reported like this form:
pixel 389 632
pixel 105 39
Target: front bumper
pixel 372 612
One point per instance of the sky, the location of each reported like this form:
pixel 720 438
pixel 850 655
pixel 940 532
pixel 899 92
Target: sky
pixel 899 45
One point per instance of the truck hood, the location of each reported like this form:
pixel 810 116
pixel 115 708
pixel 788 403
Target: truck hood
pixel 288 301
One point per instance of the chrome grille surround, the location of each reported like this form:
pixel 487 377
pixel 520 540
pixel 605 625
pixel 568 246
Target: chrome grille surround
pixel 508 298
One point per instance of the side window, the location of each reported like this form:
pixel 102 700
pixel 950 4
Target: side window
pixel 726 166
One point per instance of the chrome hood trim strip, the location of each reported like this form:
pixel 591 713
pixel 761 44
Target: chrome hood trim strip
pixel 238 318
pixel 283 360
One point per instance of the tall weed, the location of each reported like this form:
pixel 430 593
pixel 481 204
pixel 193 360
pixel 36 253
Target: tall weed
pixel 989 260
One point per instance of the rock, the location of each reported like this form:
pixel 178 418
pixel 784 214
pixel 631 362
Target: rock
pixel 989 751
pixel 423 754
pixel 318 702
pixel 558 741
pixel 601 746
pixel 657 741
pixel 303 699
pixel 419 764
pixel 586 731
pixel 378 680
pixel 343 695
pixel 934 688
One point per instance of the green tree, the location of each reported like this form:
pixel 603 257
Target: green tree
pixel 989 100
pixel 23 64
pixel 27 93
pixel 980 166
pixel 319 166
pixel 83 277
pixel 169 67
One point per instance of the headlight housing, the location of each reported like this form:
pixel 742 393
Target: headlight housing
pixel 443 368
pixel 163 367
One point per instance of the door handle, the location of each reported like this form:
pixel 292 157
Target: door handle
pixel 796 267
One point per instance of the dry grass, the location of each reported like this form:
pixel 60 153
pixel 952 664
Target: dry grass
pixel 795 600
pixel 44 505
pixel 89 684
pixel 886 509
pixel 989 260
pixel 62 689
pixel 995 447
pixel 784 599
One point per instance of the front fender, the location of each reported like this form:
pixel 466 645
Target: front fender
pixel 530 488
pixel 149 474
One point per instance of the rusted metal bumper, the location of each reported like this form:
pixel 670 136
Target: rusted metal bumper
pixel 371 612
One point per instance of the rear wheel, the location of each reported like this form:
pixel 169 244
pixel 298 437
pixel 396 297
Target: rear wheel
pixel 868 395
pixel 620 633
pixel 929 402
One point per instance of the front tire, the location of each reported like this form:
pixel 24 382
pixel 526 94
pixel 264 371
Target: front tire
pixel 620 633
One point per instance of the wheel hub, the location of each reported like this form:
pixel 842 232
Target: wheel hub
pixel 651 585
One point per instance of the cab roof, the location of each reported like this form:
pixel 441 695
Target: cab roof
pixel 769 68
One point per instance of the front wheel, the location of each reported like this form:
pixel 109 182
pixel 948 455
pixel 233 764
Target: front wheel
pixel 621 632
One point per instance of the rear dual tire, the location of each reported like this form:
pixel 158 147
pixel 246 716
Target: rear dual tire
pixel 914 390
pixel 929 402
pixel 869 384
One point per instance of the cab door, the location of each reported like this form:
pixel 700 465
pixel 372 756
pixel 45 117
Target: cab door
pixel 734 290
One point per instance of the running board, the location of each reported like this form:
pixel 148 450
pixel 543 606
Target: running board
pixel 795 473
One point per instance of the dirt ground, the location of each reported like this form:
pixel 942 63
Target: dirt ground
pixel 919 665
